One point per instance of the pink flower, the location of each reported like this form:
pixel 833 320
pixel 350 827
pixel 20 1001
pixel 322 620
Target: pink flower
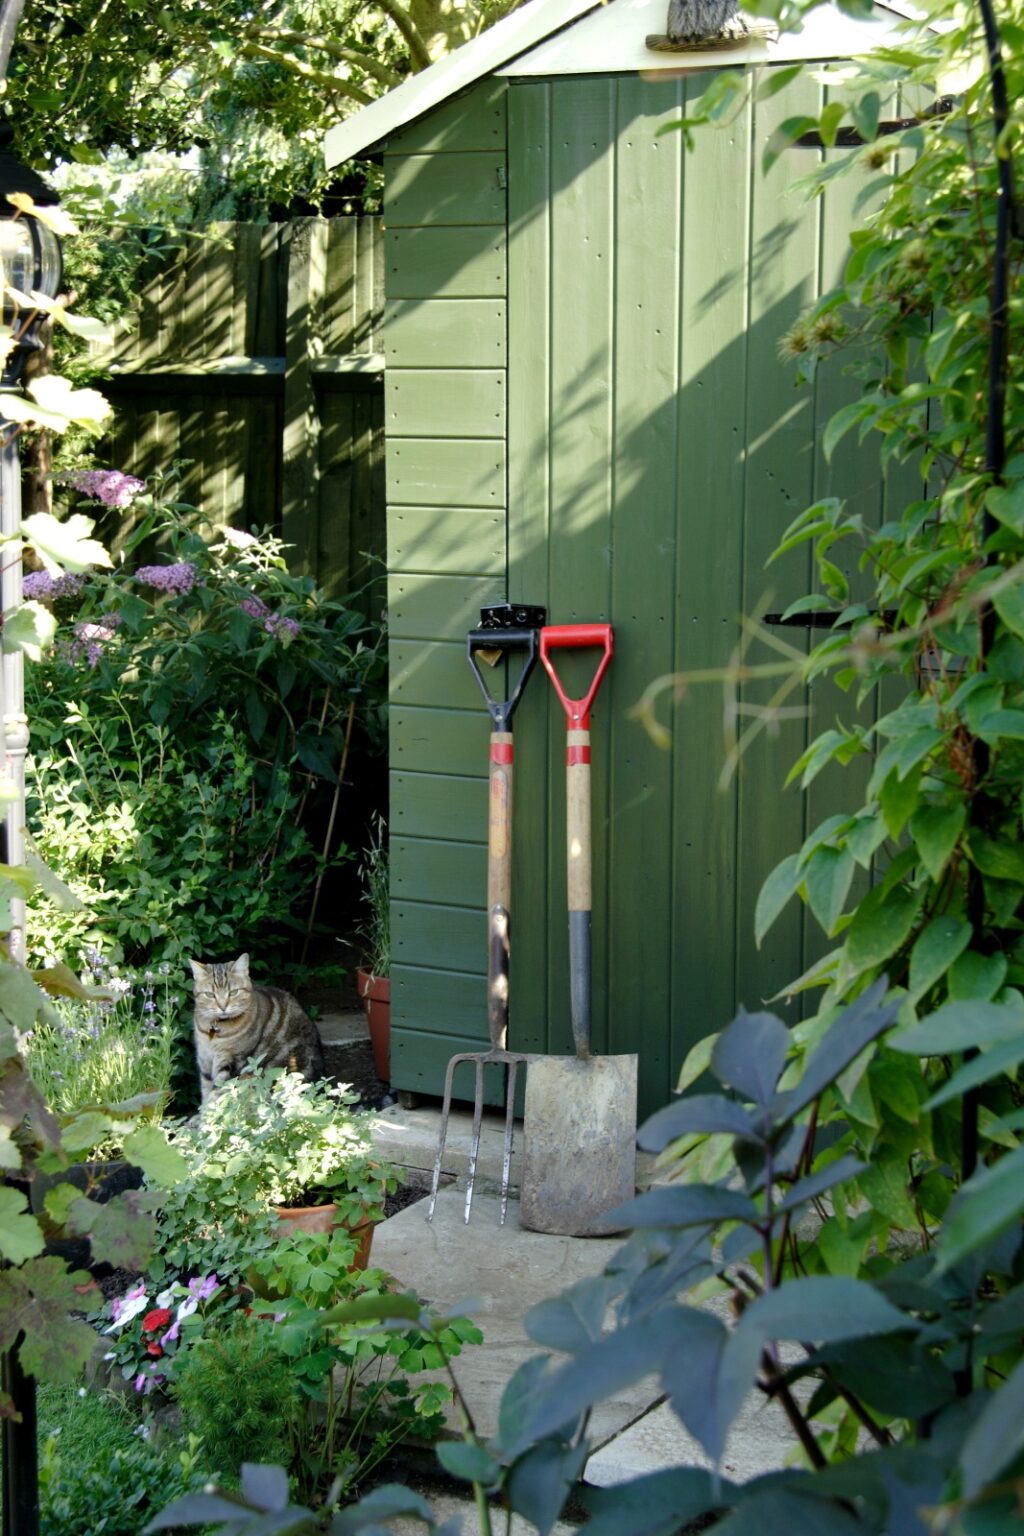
pixel 255 607
pixel 178 578
pixel 111 486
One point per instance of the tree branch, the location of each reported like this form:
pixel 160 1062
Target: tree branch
pixel 307 72
pixel 10 15
pixel 363 61
pixel 404 22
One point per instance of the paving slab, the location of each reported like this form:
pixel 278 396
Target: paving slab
pixel 345 1027
pixel 499 1273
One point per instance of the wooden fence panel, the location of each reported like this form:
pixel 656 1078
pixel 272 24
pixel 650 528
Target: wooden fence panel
pixel 255 352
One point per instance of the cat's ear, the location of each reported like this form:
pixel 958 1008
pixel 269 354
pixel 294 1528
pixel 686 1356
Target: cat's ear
pixel 198 969
pixel 241 965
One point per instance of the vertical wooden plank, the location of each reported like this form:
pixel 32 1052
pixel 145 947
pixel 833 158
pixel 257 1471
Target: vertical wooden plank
pixel 649 178
pixel 783 259
pixel 529 406
pixel 707 863
pixel 221 297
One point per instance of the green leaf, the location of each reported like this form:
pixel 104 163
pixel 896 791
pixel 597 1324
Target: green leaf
pixel 1006 503
pixel 35 1300
pixel 865 112
pixel 842 1251
pixel 959 1027
pixel 855 1028
pixel 31 629
pixel 122 1232
pixel 899 798
pixel 881 925
pixel 998 857
pixel 885 1186
pixel 844 421
pixel 265 1486
pixel 935 949
pixel 767 1511
pixel 750 1055
pixel 21 1236
pixel 85 1131
pixel 58 1200
pixel 822 1309
pixel 704 1113
pixel 782 884
pixel 1005 724
pixel 827 882
pixel 708 1378
pixel 469 1462
pixel 828 123
pixel 815 1184
pixel 148 1148
pixel 990 1201
pixel 659 1503
pixel 64 546
pixel 540 1482
pixel 995 1437
pixel 999 1058
pixel 1009 605
pixel 20 998
pixel 936 829
pixel 975 976
pixel 573 1318
pixel 694 1205
pixel 697 1062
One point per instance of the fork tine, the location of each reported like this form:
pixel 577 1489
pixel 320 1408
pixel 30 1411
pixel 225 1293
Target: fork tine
pixel 506 1160
pixel 445 1112
pixel 478 1110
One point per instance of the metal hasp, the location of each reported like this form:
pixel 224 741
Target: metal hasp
pixel 580 1126
pixel 490 643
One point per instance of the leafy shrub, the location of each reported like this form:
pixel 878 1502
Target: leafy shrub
pixel 187 739
pixel 238 1395
pixel 267 1138
pixel 113 1486
pixel 108 1049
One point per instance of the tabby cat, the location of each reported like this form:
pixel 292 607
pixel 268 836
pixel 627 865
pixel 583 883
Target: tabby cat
pixel 234 1019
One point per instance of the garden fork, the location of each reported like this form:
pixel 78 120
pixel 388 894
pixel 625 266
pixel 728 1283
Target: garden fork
pixel 518 632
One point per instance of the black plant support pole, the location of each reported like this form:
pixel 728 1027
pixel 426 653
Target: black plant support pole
pixel 995 443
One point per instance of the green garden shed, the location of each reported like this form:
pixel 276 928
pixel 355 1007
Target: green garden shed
pixel 585 409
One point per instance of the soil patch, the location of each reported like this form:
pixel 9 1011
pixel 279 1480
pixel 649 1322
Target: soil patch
pixel 352 1063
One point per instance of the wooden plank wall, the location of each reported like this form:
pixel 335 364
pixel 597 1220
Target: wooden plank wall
pixel 657 448
pixel 256 353
pixel 445 325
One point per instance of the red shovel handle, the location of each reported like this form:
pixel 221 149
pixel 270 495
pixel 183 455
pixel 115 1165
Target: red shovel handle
pixel 562 636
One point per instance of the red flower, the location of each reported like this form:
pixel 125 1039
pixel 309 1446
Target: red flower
pixel 155 1349
pixel 158 1318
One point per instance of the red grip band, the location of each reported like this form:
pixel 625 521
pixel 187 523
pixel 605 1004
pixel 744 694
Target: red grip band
pixel 501 751
pixel 574 755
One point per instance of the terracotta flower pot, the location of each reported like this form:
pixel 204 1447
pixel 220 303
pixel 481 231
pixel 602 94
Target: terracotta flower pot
pixel 375 992
pixel 323 1219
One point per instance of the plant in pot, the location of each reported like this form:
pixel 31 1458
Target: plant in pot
pixel 268 1150
pixel 374 978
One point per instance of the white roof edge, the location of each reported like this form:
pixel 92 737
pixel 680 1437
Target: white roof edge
pixel 514 34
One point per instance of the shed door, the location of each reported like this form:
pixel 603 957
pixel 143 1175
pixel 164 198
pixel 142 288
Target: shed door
pixel 657 448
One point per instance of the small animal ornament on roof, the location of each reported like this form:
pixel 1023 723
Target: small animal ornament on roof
pixel 697 24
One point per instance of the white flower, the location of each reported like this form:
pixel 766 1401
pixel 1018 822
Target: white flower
pixel 166 1298
pixel 188 1306
pixel 129 1309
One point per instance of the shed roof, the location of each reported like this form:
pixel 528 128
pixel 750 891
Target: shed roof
pixel 608 36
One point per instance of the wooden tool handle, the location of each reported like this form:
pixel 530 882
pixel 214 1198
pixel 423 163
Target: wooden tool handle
pixel 499 823
pixel 578 863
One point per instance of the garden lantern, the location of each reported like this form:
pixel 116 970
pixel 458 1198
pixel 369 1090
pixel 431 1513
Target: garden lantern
pixel 30 254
